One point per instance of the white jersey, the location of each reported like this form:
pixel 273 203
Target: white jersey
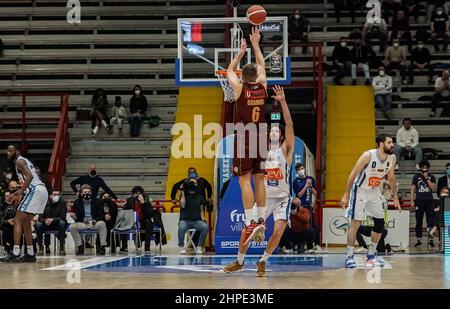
pixel 277 177
pixel 36 180
pixel 370 180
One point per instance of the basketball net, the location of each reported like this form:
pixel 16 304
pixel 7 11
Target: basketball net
pixel 228 92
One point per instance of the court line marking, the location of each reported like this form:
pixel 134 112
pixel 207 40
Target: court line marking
pixel 85 263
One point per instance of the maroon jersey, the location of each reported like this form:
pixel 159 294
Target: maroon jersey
pixel 249 107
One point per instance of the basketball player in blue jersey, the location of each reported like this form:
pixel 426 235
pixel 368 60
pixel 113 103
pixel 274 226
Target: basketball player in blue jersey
pixel 277 185
pixel 364 196
pixel 33 197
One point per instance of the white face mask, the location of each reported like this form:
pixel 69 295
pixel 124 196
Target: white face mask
pixel 297 16
pixel 420 46
pixel 137 92
pixel 343 44
pixel 439 12
pixel 396 45
pixel 301 173
pixel 8 176
pixel 55 198
pixel 381 73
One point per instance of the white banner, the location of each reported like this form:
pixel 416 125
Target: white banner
pixel 335 226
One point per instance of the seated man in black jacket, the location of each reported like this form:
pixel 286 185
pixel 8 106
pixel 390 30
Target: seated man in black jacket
pixel 341 60
pixel 53 219
pixel 88 215
pixel 141 204
pixel 7 214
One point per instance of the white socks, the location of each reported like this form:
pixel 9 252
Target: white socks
pixel 248 216
pixel 240 258
pixel 30 250
pixel 104 124
pixel 259 213
pixel 372 248
pixel 16 250
pixel 265 257
pixel 95 130
pixel 350 251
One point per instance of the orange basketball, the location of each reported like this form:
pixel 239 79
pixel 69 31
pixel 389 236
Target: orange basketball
pixel 256 15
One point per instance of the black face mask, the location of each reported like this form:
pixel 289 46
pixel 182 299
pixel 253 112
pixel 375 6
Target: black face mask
pixel 106 199
pixel 93 173
pixel 86 196
pixel 118 104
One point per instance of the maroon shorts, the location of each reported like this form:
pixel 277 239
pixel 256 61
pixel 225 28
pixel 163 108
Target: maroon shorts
pixel 250 154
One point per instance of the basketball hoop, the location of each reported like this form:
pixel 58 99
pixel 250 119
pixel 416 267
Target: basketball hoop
pixel 228 92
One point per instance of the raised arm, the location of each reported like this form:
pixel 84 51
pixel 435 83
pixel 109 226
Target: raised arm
pixel 233 79
pixel 288 145
pixel 255 37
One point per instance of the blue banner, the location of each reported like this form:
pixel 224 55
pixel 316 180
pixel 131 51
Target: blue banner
pixel 230 215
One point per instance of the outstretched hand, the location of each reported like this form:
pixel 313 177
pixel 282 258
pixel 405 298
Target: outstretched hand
pixel 255 36
pixel 243 47
pixel 279 93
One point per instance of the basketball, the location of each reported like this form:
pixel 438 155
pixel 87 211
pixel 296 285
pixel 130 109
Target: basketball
pixel 256 15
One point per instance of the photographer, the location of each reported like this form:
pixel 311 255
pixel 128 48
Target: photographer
pixel 300 231
pixel 140 202
pixel 204 187
pixel 423 185
pixel 191 214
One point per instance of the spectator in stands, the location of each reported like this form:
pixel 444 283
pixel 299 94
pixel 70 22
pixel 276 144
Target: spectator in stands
pixel 395 58
pixel 412 8
pixel 192 215
pixel 7 214
pixel 92 179
pixel 305 189
pixel 400 29
pixel 437 211
pixel 423 185
pixel 433 5
pixel 340 5
pixel 389 8
pixel 138 108
pixel 119 114
pixel 204 186
pixel 53 219
pixel 360 55
pixel 141 203
pixel 376 31
pixel 299 28
pixel 439 28
pixel 341 60
pixel 407 142
pixel 442 93
pixel 88 215
pixel 99 103
pixel 110 212
pixel 444 181
pixel 420 59
pixel 300 232
pixel 382 87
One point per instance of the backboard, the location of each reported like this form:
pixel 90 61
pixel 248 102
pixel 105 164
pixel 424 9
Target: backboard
pixel 206 45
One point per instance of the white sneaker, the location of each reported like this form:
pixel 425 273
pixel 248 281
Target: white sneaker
pixel 309 251
pixel 289 251
pixel 396 167
pixel 200 250
pixel 417 167
pixel 182 250
pixel 317 249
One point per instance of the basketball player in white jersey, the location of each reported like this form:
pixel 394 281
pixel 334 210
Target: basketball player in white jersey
pixel 277 185
pixel 33 196
pixel 364 196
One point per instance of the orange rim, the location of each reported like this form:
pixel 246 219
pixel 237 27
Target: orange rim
pixel 224 73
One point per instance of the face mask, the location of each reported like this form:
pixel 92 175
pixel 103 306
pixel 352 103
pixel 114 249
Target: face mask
pixel 420 46
pixel 55 198
pixel 293 211
pixel 8 176
pixel 118 104
pixel 93 173
pixel 137 92
pixel 439 12
pixel 86 196
pixel 297 16
pixel 424 171
pixel 192 175
pixel 444 195
pixel 343 44
pixel 301 173
pixel 106 198
pixel 381 73
pixel 396 45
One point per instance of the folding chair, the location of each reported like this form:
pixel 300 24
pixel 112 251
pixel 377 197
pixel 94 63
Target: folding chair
pixel 54 233
pixel 133 231
pixel 190 239
pixel 88 231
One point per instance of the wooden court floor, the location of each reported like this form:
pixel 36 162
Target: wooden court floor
pixel 417 271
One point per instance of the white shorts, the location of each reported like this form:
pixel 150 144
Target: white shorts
pixel 34 200
pixel 278 206
pixel 362 204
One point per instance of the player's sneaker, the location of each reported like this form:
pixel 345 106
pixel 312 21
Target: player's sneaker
pixel 261 271
pixel 260 230
pixel 27 259
pixel 247 232
pixel 374 261
pixel 11 258
pixel 232 267
pixel 350 262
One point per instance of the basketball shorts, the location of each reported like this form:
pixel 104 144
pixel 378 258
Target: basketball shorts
pixel 363 203
pixel 278 206
pixel 250 154
pixel 34 200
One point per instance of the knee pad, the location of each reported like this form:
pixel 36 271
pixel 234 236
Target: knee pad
pixel 378 225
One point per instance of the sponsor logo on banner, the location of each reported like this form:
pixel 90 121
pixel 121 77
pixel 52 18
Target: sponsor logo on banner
pixel 274 27
pixel 339 225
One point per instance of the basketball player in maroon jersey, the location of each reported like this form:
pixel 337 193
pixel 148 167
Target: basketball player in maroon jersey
pixel 249 108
